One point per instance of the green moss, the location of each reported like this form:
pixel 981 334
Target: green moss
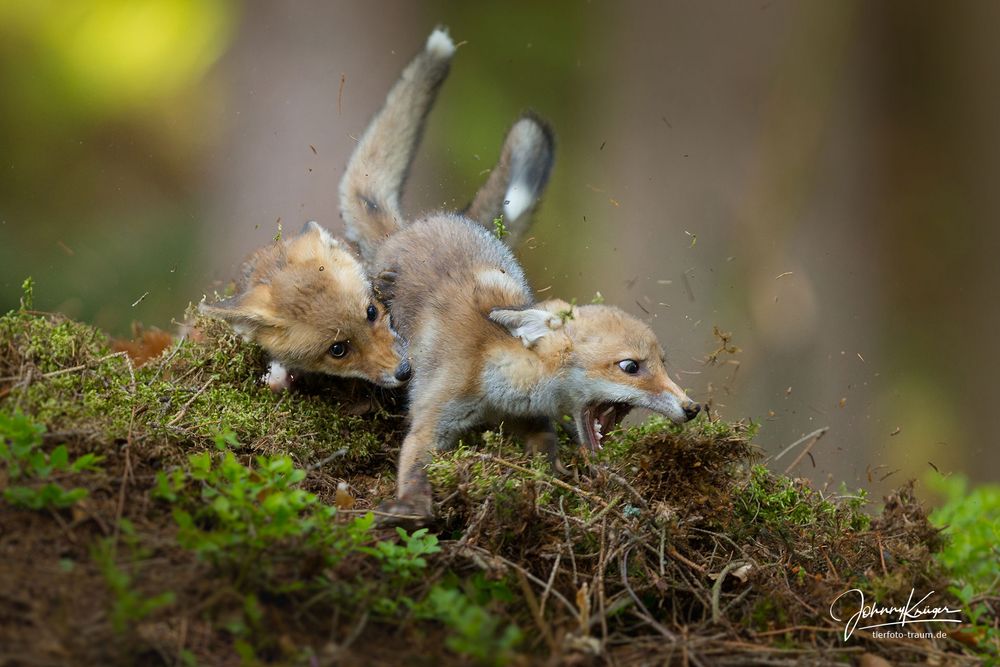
pixel 68 377
pixel 766 613
pixel 672 505
pixel 777 503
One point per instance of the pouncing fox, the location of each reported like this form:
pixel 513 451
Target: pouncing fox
pixel 483 351
pixel 308 301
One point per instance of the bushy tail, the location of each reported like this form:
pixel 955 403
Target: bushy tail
pixel 516 183
pixel 371 188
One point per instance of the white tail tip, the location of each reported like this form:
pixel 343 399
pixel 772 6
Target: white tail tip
pixel 518 199
pixel 439 44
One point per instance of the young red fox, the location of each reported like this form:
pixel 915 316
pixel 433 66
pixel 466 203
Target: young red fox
pixel 483 351
pixel 308 302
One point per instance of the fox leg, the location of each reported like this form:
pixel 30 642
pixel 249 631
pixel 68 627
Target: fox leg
pixel 413 502
pixel 372 184
pixel 539 438
pixel 518 179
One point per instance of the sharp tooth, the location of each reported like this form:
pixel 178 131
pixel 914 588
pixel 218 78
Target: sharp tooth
pixel 597 430
pixel 607 412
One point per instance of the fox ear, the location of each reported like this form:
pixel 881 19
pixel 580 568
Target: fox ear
pixel 313 227
pixel 556 306
pixel 529 324
pixel 246 313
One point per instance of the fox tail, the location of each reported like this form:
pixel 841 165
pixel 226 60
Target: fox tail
pixel 371 187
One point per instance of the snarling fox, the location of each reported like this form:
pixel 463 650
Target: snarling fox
pixel 483 351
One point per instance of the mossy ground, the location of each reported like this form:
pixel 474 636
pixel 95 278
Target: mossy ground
pixel 200 542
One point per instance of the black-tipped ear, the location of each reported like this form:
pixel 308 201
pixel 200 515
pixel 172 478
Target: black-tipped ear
pixel 313 227
pixel 530 324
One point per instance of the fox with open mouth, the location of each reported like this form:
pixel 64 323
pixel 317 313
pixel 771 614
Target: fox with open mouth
pixel 482 350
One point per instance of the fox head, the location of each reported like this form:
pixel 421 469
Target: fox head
pixel 609 362
pixel 309 304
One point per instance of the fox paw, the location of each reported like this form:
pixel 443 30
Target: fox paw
pixel 408 513
pixel 278 378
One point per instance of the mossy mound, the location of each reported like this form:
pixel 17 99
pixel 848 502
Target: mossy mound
pixel 193 517
pixel 66 375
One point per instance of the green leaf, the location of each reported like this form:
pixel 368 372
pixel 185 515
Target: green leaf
pixel 164 489
pixel 59 458
pixel 87 462
pixel 201 465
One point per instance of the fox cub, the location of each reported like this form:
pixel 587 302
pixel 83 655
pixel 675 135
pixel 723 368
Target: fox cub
pixel 483 351
pixel 309 303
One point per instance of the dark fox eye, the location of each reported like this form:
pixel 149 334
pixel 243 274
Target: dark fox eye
pixel 630 366
pixel 372 313
pixel 338 349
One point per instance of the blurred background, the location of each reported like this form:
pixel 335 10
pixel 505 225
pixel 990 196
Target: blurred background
pixel 816 179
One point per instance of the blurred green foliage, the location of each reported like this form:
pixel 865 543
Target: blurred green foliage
pixel 971 520
pixel 98 125
pixel 86 59
pixel 28 468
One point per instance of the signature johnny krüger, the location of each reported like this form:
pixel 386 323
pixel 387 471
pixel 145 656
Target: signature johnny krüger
pixel 909 613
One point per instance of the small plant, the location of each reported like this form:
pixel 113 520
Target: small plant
pixel 475 632
pixel 29 467
pixel 243 512
pixel 499 230
pixel 971 521
pixel 403 563
pixel 28 293
pixel 405 560
pixel 130 605
pixel 567 314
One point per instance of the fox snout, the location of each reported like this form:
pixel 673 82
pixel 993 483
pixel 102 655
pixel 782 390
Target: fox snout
pixel 394 373
pixel 690 409
pixel 673 402
pixel 384 357
pixel 677 409
pixel 403 371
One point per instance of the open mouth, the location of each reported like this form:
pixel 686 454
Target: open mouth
pixel 600 419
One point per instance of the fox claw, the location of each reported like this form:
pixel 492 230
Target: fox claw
pixel 406 513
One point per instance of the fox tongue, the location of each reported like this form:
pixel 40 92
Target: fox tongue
pixel 601 419
pixel 605 422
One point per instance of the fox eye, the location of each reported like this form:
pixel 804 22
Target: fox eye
pixel 338 349
pixel 372 313
pixel 630 366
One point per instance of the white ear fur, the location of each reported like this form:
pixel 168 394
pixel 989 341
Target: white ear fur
pixel 529 325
